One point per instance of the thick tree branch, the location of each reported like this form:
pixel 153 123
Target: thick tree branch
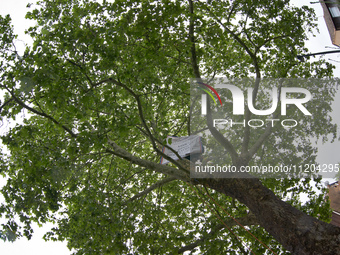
pixel 247 134
pixel 190 113
pixel 219 137
pixel 267 131
pixel 167 170
pixel 192 40
pixel 261 140
pixel 286 224
pixel 257 81
pixel 248 220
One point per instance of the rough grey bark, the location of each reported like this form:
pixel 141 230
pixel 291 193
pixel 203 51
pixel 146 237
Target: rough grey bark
pixel 296 231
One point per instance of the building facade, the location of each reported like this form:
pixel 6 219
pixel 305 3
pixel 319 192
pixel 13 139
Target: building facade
pixel 331 10
pixel 334 197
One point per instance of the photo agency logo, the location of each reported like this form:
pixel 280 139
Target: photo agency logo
pixel 280 97
pixel 283 124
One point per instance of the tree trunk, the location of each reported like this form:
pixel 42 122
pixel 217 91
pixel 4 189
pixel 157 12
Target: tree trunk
pixel 296 231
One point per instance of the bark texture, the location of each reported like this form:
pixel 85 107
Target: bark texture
pixel 296 231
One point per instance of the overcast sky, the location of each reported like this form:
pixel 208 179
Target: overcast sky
pixel 17 10
pixel 36 246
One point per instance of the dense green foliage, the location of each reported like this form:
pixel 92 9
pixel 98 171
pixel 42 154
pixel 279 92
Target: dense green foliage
pixel 102 72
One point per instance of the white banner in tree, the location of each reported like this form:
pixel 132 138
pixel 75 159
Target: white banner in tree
pixel 184 146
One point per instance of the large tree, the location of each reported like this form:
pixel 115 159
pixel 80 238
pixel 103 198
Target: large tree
pixel 102 87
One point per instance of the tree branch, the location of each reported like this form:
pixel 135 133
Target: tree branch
pixel 193 44
pixel 6 103
pixel 219 137
pixel 42 114
pixel 248 220
pixel 151 188
pixel 270 39
pixel 246 138
pixel 83 71
pixel 233 8
pixel 261 140
pixel 120 152
pixel 214 131
pixel 267 131
pixel 147 130
pixel 298 232
pixel 239 40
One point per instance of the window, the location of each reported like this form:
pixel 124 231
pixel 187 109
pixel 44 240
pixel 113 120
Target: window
pixel 335 12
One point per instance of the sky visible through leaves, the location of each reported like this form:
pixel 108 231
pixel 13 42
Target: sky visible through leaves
pixel 17 10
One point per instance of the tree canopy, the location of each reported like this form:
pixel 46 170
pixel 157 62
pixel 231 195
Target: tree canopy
pixel 101 88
